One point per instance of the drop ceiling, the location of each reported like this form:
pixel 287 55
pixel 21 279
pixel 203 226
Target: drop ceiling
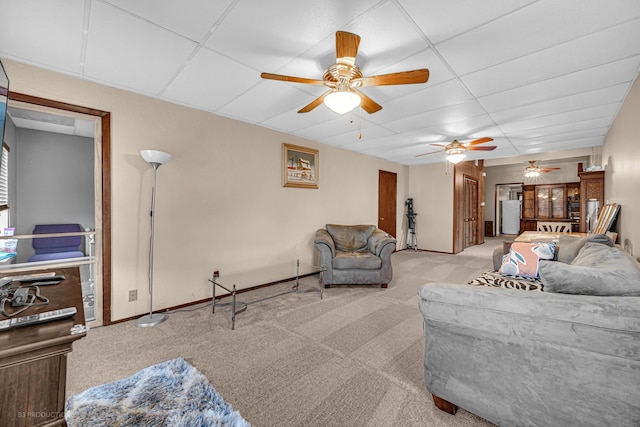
pixel 536 76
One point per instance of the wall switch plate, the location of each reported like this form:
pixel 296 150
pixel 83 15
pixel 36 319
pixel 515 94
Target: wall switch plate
pixel 133 295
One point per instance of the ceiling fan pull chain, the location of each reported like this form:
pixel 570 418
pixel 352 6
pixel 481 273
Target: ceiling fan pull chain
pixel 359 123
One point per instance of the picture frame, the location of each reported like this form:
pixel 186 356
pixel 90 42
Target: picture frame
pixel 300 166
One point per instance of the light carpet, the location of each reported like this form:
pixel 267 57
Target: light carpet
pixel 353 358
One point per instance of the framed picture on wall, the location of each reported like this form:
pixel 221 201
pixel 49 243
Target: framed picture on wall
pixel 300 166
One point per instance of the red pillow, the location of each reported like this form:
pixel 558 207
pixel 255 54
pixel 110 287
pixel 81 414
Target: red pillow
pixel 523 258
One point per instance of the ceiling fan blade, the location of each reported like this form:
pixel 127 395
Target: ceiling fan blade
pixel 549 169
pixel 271 76
pixel 439 144
pixel 401 78
pixel 484 148
pixel 313 104
pixel 346 47
pixel 426 154
pixel 368 104
pixel 479 141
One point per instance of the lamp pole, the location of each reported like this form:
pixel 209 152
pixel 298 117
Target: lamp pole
pixel 155 159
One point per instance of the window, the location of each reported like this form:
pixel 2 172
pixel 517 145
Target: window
pixel 4 188
pixel 4 178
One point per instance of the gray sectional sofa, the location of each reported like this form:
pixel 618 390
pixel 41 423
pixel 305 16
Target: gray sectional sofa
pixel 567 356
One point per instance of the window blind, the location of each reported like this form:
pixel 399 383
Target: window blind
pixel 4 177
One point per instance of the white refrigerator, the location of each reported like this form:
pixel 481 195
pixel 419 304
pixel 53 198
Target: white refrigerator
pixel 510 215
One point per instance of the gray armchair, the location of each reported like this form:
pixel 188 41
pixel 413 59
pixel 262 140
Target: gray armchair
pixel 355 254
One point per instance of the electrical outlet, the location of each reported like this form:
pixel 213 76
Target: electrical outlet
pixel 133 295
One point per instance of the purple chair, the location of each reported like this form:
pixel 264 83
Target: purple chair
pixel 52 248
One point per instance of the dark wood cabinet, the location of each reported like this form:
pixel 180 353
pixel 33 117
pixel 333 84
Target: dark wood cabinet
pixel 591 188
pixel 528 201
pixel 33 359
pixel 550 202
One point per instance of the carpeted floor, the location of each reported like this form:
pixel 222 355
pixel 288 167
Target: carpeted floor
pixel 353 358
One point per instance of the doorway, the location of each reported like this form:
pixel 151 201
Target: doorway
pixel 387 199
pixel 102 185
pixel 508 208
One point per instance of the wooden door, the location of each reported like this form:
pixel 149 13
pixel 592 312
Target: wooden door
pixel 387 194
pixel 470 209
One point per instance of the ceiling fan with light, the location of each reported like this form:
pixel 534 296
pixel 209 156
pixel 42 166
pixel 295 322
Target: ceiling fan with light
pixel 456 150
pixel 344 78
pixel 534 170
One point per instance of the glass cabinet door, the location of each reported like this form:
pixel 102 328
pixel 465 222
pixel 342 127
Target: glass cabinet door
pixel 557 202
pixel 543 202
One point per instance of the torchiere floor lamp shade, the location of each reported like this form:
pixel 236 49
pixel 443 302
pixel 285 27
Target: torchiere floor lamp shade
pixel 156 159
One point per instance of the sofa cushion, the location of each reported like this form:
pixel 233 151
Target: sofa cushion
pixel 523 258
pixel 597 270
pixel 569 246
pixel 350 238
pixel 356 260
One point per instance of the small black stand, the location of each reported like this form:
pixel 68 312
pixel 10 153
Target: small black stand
pixel 412 239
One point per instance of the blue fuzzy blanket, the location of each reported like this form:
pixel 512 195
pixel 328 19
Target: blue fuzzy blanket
pixel 172 393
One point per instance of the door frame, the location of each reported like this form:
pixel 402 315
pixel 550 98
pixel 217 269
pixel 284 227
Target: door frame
pixel 105 148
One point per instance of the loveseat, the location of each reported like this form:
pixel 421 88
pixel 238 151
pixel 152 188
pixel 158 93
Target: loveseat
pixel 355 254
pixel 566 356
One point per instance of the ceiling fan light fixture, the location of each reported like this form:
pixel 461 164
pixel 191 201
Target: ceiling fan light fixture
pixel 532 173
pixel 455 158
pixel 342 101
pixel 455 155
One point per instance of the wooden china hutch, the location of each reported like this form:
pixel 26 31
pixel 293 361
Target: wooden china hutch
pixel 563 202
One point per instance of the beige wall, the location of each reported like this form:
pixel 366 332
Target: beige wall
pixel 621 158
pixel 220 202
pixel 432 191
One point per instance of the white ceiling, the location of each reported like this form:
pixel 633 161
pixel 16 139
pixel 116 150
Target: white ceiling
pixel 537 76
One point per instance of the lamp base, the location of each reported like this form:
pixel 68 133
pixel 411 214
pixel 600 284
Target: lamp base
pixel 150 320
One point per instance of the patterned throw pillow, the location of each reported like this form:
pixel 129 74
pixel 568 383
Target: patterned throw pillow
pixel 523 258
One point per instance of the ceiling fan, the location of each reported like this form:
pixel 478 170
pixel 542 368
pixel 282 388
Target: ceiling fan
pixel 534 170
pixel 344 78
pixel 456 149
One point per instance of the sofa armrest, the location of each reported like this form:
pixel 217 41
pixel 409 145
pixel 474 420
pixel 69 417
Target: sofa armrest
pixel 378 240
pixel 323 238
pixel 498 254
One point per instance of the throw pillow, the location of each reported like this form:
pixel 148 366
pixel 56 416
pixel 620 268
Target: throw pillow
pixel 523 258
pixel 597 270
pixel 569 246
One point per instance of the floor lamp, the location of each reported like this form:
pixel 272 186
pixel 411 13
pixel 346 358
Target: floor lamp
pixel 155 158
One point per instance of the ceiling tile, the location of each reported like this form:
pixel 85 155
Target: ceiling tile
pixel 532 28
pixel 30 39
pixel 611 74
pixel 565 104
pixel 210 80
pixel 590 51
pixel 261 101
pixel 441 20
pixel 132 53
pixel 601 111
pixel 178 16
